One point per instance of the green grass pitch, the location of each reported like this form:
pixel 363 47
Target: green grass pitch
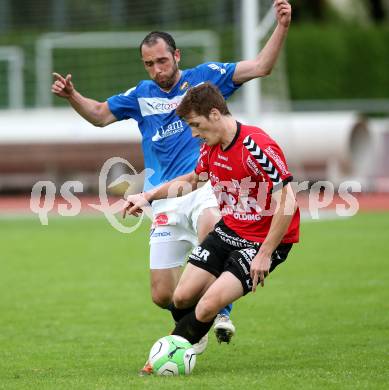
pixel 75 311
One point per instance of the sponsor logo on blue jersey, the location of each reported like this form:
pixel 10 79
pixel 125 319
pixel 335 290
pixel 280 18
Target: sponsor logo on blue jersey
pixel 217 68
pixel 166 131
pixel 158 105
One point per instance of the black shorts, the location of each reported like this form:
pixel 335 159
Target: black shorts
pixel 223 250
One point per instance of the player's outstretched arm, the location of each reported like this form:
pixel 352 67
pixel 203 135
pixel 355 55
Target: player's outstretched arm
pixel 263 64
pixel 93 111
pixel 285 207
pixel 175 188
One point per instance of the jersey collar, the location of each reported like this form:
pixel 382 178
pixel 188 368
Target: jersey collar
pixel 238 126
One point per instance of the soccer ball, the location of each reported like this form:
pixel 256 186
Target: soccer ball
pixel 172 355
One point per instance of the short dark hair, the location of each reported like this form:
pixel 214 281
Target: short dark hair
pixel 201 100
pixel 152 38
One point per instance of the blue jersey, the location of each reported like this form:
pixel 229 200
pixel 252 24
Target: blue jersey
pixel 168 146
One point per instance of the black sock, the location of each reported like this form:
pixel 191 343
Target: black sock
pixel 191 328
pixel 179 313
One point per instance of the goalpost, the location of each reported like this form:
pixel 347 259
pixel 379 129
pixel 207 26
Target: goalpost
pixel 15 58
pixel 207 40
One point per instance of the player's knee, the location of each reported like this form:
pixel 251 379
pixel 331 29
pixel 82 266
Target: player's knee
pixel 182 299
pixel 161 298
pixel 207 309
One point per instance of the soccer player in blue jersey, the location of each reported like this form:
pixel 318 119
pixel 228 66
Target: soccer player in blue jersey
pixel 168 147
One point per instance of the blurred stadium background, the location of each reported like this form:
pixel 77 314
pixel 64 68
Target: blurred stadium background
pixel 327 101
pixel 75 307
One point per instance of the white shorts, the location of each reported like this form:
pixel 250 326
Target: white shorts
pixel 174 229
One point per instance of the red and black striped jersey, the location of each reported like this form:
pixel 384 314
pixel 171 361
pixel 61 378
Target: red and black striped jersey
pixel 243 176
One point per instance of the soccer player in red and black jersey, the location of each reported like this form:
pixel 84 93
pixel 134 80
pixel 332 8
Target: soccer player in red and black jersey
pixel 260 217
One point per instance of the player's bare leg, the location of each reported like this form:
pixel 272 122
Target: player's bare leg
pixel 227 288
pixel 194 325
pixel 192 285
pixel 166 264
pixel 223 327
pixel 163 283
pixel 206 221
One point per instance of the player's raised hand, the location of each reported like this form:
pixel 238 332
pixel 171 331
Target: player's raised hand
pixel 134 205
pixel 62 86
pixel 259 269
pixel 283 12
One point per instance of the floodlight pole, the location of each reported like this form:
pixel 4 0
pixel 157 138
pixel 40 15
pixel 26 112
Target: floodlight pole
pixel 252 32
pixel 250 46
